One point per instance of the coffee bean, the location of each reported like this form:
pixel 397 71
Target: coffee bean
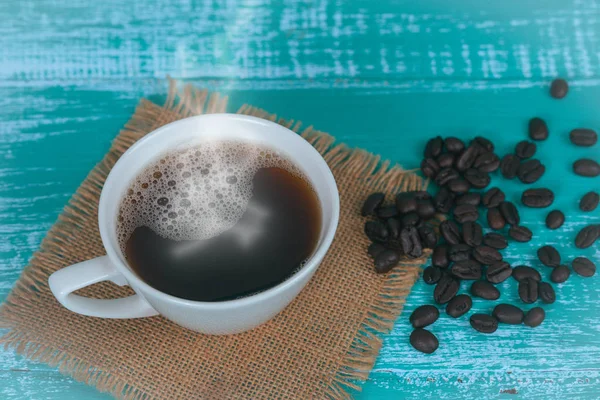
pixel 589 201
pixel 428 236
pixel 509 212
pixel 424 341
pixel 528 290
pixel 432 275
pixel 439 257
pixel 446 175
pixel 425 209
pixel 498 272
pixel 375 249
pixel 376 231
pixel 584 267
pixel 508 314
pixel 410 242
pixel 583 137
pixel 534 317
pixel 537 198
pixel 454 145
pixel 458 186
pixel 472 198
pixel 433 148
pixel 555 219
pixel 546 293
pixel 450 231
pixel 472 233
pixel 443 200
pixel 493 197
pixel 522 272
pixel 483 143
pixel 465 213
pixel 509 166
pixel 372 203
pixel 495 240
pixel 478 179
pixel 486 255
pixel 538 130
pixel 560 274
pixel 466 159
pixel 386 260
pixel 549 256
pixel 525 149
pixel 393 227
pixel 487 162
pixel 406 202
pixel 587 236
pixel 530 171
pixel 495 219
pixel 421 194
pixel 446 289
pixel 520 233
pixel 459 305
pixel 459 252
pixel 423 316
pixel 586 167
pixel 387 212
pixel 559 88
pixel 445 160
pixel 466 269
pixel 485 290
pixel 410 219
pixel 483 323
pixel 429 167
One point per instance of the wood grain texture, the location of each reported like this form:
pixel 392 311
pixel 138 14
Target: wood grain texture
pixel 379 75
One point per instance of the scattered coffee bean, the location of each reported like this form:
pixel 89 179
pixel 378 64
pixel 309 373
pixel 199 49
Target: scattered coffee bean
pixel 428 236
pixel 466 269
pixel 445 160
pixel 372 203
pixel 459 305
pixel 484 323
pixel 495 240
pixel 375 249
pixel 560 274
pixel 445 289
pixel 425 209
pixel 520 233
pixel 522 272
pixel 450 231
pixel 458 186
pixel 406 202
pixel 386 260
pixel 429 167
pixel 446 175
pixel 459 252
pixel 387 212
pixel 472 198
pixel 485 290
pixel 424 316
pixel 546 293
pixel 589 201
pixel 478 179
pixel 584 267
pixel 443 200
pixel 487 162
pixel 549 256
pixel 509 166
pixel 433 148
pixel 525 149
pixel 439 257
pixel 493 197
pixel 528 290
pixel 586 167
pixel 583 137
pixel 483 143
pixel 424 341
pixel 508 314
pixel 454 145
pixel 466 159
pixel 530 171
pixel 472 233
pixel 555 219
pixel 376 231
pixel 410 242
pixel 486 255
pixel 587 236
pixel 432 275
pixel 498 272
pixel 538 130
pixel 393 226
pixel 534 317
pixel 559 88
pixel 465 213
pixel 495 219
pixel 510 213
pixel 537 198
pixel 410 219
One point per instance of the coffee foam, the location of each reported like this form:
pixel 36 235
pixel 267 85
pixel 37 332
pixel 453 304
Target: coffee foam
pixel 196 193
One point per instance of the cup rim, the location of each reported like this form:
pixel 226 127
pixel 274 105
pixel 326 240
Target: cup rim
pixel 309 268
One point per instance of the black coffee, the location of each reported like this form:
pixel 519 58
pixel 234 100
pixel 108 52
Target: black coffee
pixel 219 221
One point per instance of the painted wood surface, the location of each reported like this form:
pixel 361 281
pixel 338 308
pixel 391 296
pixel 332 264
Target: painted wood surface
pixel 380 75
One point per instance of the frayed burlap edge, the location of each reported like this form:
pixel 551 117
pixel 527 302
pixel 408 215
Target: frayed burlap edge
pixel 379 318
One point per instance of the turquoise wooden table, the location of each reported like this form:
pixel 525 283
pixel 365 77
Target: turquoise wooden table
pixel 383 75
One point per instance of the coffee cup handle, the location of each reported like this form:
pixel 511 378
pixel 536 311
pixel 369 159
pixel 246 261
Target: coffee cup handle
pixel 67 280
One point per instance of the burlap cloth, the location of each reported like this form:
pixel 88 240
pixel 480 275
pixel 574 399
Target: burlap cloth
pixel 320 346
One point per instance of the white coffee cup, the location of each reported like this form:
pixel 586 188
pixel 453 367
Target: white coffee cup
pixel 224 317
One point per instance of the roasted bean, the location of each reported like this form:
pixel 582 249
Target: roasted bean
pixel 587 236
pixel 472 233
pixel 386 260
pixel 466 213
pixel 534 317
pixel 493 197
pixel 445 289
pixel 484 323
pixel 520 233
pixel 584 267
pixel 443 200
pixel 495 240
pixel 485 290
pixel 549 256
pixel 538 130
pixel 486 255
pixel 372 203
pixel 410 242
pixel 525 149
pixel 432 275
pixel 589 201
pixel 454 145
pixel 530 171
pixel 546 293
pixel 528 290
pixel 559 88
pixel 424 341
pixel 487 162
pixel 478 179
pixel 450 231
pixel 495 219
pixel 498 272
pixel 555 219
pixel 472 198
pixel 424 316
pixel 560 274
pixel 586 167
pixel 508 314
pixel 459 305
pixel 522 272
pixel 467 269
pixel 509 166
pixel 439 257
pixel 376 231
pixel 537 198
pixel 459 252
pixel 510 213
pixel 583 137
